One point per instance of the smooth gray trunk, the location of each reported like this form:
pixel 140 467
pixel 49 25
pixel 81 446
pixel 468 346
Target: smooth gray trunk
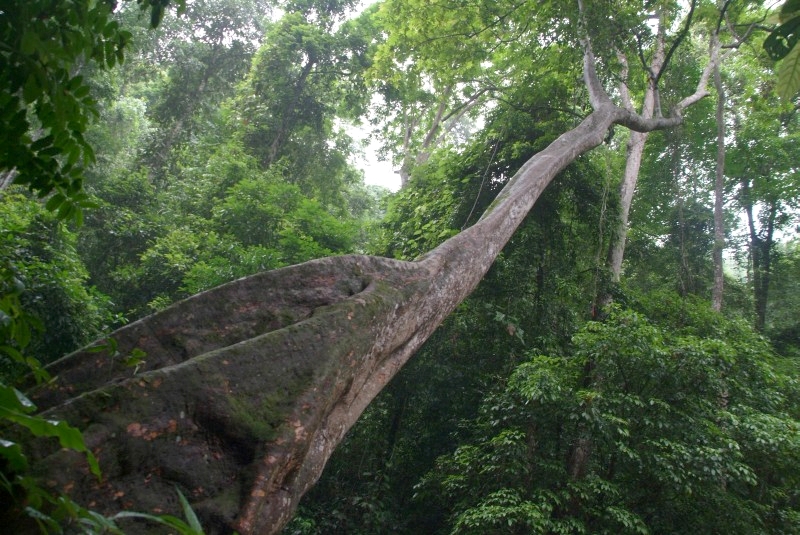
pixel 719 184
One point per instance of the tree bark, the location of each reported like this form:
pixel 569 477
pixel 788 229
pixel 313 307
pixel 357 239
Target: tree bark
pixel 7 178
pixel 638 139
pixel 719 184
pixel 249 387
pixel 760 245
pixel 633 163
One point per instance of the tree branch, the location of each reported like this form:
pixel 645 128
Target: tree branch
pixel 681 36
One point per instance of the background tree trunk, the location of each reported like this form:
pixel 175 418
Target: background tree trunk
pixel 633 162
pixel 719 184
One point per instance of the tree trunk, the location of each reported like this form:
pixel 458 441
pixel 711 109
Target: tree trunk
pixel 719 184
pixel 7 178
pixel 760 245
pixel 249 387
pixel 633 162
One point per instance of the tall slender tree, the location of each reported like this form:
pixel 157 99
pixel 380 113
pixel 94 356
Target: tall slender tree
pixel 719 187
pixel 767 189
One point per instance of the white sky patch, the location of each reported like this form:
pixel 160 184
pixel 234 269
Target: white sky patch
pixel 376 172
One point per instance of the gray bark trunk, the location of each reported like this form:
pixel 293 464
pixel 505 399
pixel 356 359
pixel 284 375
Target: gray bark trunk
pixel 633 163
pixel 7 178
pixel 719 183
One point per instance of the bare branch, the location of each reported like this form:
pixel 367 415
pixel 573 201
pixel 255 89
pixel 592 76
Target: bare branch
pixel 597 94
pixel 624 93
pixel 437 121
pixel 681 36
pixel 637 123
pixel 701 91
pixel 723 15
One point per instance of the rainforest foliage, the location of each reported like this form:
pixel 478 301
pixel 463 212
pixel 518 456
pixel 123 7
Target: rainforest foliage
pixel 153 150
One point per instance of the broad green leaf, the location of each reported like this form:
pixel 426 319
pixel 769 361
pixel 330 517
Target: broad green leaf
pixel 42 143
pixel 55 201
pixel 12 352
pixel 13 400
pixel 65 210
pixel 81 91
pixel 13 408
pixel 31 91
pixel 110 346
pixel 74 83
pixel 50 152
pixel 782 39
pixel 29 43
pixel 110 28
pixel 77 216
pixel 156 13
pixel 789 75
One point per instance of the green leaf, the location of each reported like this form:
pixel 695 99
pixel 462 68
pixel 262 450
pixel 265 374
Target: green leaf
pixel 12 452
pixel 49 152
pixel 77 217
pixel 110 346
pixel 81 91
pixel 13 400
pixel 783 39
pixel 65 210
pixel 189 513
pixel 42 143
pixel 88 204
pixel 73 154
pixel 165 520
pixel 31 91
pixel 13 353
pixel 29 43
pixel 42 518
pixel 110 28
pixel 110 51
pixel 789 75
pixel 156 13
pixel 97 522
pixel 68 436
pixel 54 202
pixel 136 358
pixel 88 154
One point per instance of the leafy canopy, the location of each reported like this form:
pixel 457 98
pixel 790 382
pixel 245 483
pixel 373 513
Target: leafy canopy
pixel 45 102
pixel 781 44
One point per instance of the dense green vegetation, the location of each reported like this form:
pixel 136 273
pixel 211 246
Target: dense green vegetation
pixel 555 400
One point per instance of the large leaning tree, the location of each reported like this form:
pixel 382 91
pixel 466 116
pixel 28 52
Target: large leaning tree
pixel 247 389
